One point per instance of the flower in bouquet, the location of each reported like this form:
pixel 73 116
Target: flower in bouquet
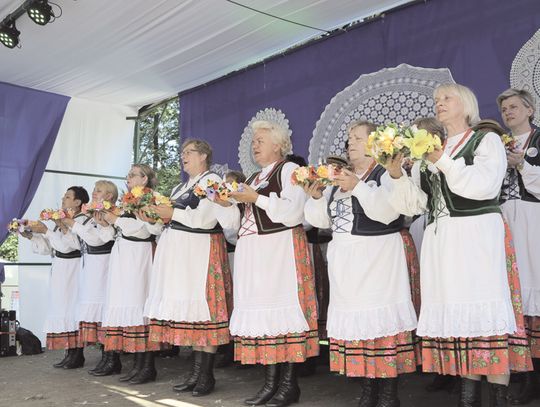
pixel 509 142
pixel 136 199
pixel 97 206
pixel 158 200
pixel 226 188
pixel 420 142
pixel 327 173
pixel 385 142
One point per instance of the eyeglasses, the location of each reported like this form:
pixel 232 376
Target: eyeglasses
pixel 133 175
pixel 187 152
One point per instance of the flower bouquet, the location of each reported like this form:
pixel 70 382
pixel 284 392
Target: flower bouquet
pixel 20 225
pixel 509 142
pixel 98 206
pixel 220 189
pixel 142 197
pixel 324 173
pixel 58 214
pixel 419 142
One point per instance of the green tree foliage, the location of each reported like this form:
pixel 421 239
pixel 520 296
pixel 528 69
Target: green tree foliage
pixel 158 143
pixel 9 250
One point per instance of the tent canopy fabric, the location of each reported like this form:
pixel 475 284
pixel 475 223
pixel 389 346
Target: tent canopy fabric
pixel 135 52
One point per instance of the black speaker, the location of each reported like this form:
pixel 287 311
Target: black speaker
pixel 8 345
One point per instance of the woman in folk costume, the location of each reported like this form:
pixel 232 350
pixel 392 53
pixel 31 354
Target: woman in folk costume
pixel 61 324
pixel 189 301
pixel 471 301
pixel 521 208
pixel 275 318
pixel 97 239
pixel 371 314
pixel 127 288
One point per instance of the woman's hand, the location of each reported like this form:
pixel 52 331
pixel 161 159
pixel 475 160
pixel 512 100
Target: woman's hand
pixel 26 234
pixel 435 155
pixel 347 180
pixel 38 227
pixel 109 217
pixel 221 202
pixel 68 222
pixel 514 158
pixel 163 211
pixel 314 190
pixel 141 214
pixel 393 166
pixel 99 218
pixel 248 194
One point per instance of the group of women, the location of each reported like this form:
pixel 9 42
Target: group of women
pixel 466 298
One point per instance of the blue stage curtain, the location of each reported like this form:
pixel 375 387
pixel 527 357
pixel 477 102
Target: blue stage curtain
pixel 29 123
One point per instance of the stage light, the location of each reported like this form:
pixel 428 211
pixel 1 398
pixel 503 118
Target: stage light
pixel 9 35
pixel 40 12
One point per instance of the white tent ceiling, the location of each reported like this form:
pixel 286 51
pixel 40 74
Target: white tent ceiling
pixel 134 52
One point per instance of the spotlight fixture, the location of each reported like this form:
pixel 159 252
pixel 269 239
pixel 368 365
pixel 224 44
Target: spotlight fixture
pixel 9 35
pixel 40 12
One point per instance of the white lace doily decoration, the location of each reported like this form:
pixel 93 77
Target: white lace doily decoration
pixel 525 72
pixel 220 169
pixel 245 156
pixel 398 95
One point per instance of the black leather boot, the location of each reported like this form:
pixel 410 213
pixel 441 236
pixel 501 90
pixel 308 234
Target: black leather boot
pixel 112 365
pixel 138 360
pixel 498 395
pixel 528 391
pixel 441 382
pixel 370 393
pixel 206 381
pixel 470 393
pixel 101 363
pixel 148 372
pixel 288 391
pixel 76 360
pixel 224 355
pixel 271 383
pixel 388 393
pixel 193 377
pixel 67 356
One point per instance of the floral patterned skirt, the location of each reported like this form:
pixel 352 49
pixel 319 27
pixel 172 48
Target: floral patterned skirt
pixel 532 325
pixel 493 355
pixel 129 339
pixel 63 340
pixel 388 356
pixel 91 333
pixel 293 347
pixel 219 298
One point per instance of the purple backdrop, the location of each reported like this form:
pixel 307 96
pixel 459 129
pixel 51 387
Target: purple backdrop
pixel 29 123
pixel 477 40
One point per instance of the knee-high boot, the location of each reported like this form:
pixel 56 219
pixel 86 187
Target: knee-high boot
pixel 370 393
pixel 498 395
pixel 101 363
pixel 288 391
pixel 470 393
pixel 189 383
pixel 388 393
pixel 138 361
pixel 148 372
pixel 206 382
pixel 271 383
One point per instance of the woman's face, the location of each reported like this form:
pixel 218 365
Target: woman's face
pixel 514 112
pixel 357 144
pixel 99 194
pixel 69 201
pixel 193 161
pixel 449 107
pixel 136 178
pixel 265 150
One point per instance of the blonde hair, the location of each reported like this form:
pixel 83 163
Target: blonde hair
pixel 149 173
pixel 202 147
pixel 525 97
pixel 467 97
pixel 278 134
pixel 109 187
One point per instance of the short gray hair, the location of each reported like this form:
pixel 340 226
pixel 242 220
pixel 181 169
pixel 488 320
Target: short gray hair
pixel 525 97
pixel 279 135
pixel 467 97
